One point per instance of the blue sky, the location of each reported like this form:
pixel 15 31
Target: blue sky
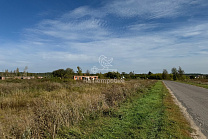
pixel 139 35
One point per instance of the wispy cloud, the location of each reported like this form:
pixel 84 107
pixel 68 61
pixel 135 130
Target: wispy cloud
pixel 83 12
pixel 80 36
pixel 195 30
pixel 73 26
pixel 150 8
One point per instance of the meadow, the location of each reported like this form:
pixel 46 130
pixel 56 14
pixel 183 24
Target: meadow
pixel 197 82
pixel 73 109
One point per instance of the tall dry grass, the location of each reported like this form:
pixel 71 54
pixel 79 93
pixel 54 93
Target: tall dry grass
pixel 39 109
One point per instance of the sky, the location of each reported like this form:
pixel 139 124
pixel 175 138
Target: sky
pixel 139 35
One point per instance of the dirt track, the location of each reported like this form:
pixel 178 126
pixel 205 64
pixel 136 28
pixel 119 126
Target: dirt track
pixel 195 100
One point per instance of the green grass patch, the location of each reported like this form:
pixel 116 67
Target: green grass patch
pixel 151 114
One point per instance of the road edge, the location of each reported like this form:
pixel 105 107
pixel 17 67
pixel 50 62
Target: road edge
pixel 196 134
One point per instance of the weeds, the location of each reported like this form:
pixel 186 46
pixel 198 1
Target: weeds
pixel 197 82
pixel 152 114
pixel 46 109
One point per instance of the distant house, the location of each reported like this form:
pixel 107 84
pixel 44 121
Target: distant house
pixel 85 77
pixel 2 78
pixel 28 77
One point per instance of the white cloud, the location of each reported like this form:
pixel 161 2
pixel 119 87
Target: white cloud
pixel 141 53
pixel 142 27
pixel 193 30
pixel 67 57
pixel 88 29
pixel 84 11
pixel 149 8
pixel 79 37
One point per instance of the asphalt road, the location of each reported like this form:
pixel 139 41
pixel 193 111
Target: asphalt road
pixel 195 100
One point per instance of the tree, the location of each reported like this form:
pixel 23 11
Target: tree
pixel 157 76
pixel 69 73
pixel 180 73
pixel 165 74
pixel 113 75
pixel 17 72
pixel 6 72
pixel 87 72
pixel 132 75
pixel 59 73
pixel 25 71
pixel 100 75
pixel 150 73
pixel 175 73
pixel 11 73
pixel 79 71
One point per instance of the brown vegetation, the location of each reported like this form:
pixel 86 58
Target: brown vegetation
pixel 40 108
pixel 197 82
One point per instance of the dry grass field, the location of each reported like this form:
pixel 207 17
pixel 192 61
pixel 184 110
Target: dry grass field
pixel 40 108
pixel 197 82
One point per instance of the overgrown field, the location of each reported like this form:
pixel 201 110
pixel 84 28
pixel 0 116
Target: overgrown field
pixel 198 82
pixel 44 108
pixel 152 114
pixel 73 109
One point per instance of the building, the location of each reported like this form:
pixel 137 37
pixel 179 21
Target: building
pixel 2 78
pixel 85 77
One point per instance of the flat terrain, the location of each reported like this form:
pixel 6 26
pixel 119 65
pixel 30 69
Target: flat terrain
pixel 56 108
pixel 195 99
pixel 149 115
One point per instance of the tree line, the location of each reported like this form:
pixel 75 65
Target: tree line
pixel 68 73
pixel 176 74
pixel 16 72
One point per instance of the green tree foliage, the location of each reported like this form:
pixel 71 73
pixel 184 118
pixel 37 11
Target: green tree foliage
pixel 132 75
pixel 175 73
pixel 149 73
pixel 88 73
pixel 59 73
pixel 165 75
pixel 141 76
pixel 125 75
pixel 113 75
pixel 178 74
pixel 17 72
pixel 100 75
pixel 181 73
pixel 68 73
pixel 79 71
pixel 6 72
pixel 157 76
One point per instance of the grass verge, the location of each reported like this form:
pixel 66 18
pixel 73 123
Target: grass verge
pixel 152 114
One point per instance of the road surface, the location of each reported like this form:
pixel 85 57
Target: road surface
pixel 195 100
